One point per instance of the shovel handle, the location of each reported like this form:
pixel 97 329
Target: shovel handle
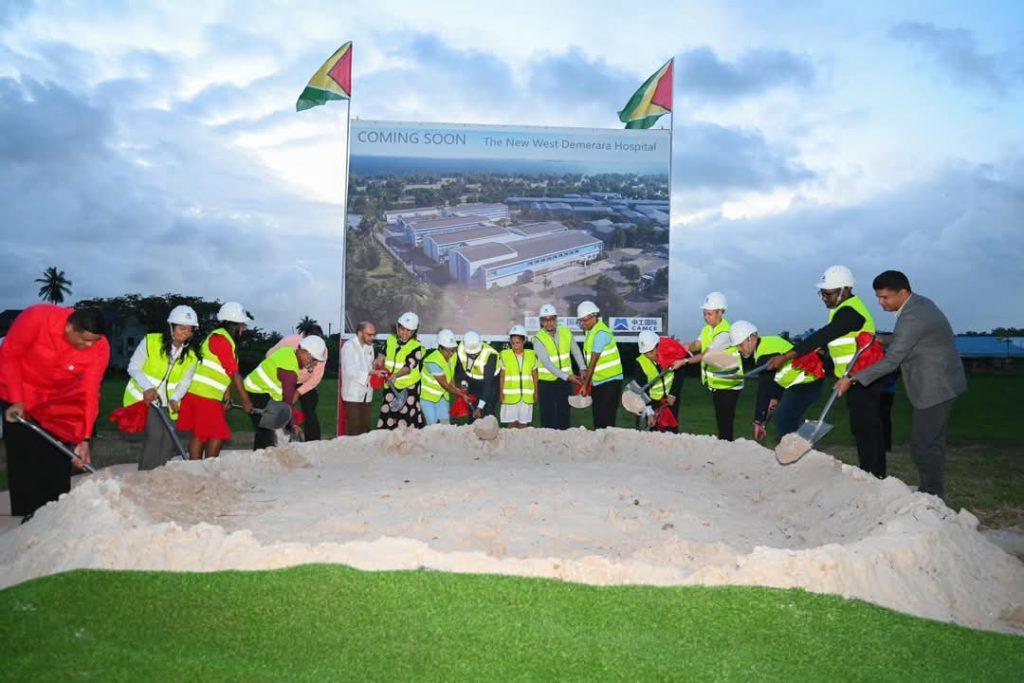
pixel 57 444
pixel 182 453
pixel 849 371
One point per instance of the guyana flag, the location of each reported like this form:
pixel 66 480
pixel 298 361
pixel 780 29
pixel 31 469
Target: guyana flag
pixel 651 101
pixel 332 81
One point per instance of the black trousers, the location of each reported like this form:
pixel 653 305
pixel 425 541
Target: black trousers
pixel 865 405
pixel 476 387
pixel 928 446
pixel 307 404
pixel 886 401
pixel 554 403
pixel 725 401
pixel 37 472
pixel 605 404
pixel 264 438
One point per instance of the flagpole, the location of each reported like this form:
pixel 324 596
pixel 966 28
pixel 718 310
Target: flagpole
pixel 344 240
pixel 671 154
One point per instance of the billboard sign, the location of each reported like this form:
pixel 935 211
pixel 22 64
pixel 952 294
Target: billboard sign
pixel 475 227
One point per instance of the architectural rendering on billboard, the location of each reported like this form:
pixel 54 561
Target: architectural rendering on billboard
pixel 475 227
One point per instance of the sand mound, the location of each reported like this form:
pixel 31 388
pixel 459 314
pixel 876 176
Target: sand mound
pixel 597 507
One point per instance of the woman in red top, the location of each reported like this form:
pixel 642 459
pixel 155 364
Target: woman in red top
pixel 51 366
pixel 204 416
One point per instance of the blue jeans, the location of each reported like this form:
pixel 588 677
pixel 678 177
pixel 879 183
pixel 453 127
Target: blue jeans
pixel 789 414
pixel 435 412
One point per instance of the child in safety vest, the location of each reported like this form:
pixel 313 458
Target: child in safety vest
pixel 517 381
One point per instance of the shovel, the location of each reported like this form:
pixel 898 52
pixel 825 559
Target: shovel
pixel 747 375
pixel 166 420
pixel 57 444
pixel 276 414
pixel 635 399
pixel 797 445
pixel 400 396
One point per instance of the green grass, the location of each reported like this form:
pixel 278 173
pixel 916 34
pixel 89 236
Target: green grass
pixel 329 622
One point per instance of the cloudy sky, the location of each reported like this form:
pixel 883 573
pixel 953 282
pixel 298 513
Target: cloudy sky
pixel 155 150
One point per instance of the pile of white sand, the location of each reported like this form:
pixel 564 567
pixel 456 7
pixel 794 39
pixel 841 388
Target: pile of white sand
pixel 597 507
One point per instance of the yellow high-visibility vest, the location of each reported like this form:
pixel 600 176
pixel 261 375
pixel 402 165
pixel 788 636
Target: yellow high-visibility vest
pixel 518 380
pixel 159 370
pixel 211 379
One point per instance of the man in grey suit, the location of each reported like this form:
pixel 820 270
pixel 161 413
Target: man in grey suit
pixel 923 347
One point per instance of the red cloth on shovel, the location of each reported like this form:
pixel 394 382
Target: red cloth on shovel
pixel 378 381
pixel 582 390
pixel 665 418
pixel 869 356
pixel 131 418
pixel 460 408
pixel 669 351
pixel 811 364
pixel 297 417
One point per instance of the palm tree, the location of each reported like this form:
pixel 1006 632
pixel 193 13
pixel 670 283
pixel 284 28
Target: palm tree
pixel 55 286
pixel 306 325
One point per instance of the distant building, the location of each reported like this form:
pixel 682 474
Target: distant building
pixel 601 228
pixel 394 216
pixel 493 212
pixel 989 346
pixel 416 229
pixel 7 319
pixel 495 264
pixel 538 229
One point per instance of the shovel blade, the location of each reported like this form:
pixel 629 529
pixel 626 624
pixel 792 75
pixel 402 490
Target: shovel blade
pixel 276 415
pixel 399 400
pixel 814 431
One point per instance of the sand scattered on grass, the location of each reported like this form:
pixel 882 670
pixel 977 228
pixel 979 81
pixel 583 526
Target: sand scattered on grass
pixel 610 507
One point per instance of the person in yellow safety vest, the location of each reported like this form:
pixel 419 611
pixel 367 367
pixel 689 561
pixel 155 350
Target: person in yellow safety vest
pixel 159 374
pixel 436 387
pixel 723 385
pixel 478 369
pixel 517 381
pixel 647 370
pixel 556 350
pixel 403 358
pixel 848 317
pixel 276 378
pixel 202 409
pixel 784 394
pixel 603 373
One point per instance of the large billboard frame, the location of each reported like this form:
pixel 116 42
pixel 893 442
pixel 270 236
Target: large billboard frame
pixel 528 315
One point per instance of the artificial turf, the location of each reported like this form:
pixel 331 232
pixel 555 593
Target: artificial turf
pixel 322 622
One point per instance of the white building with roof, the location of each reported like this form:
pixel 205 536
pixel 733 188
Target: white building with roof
pixel 437 246
pixel 416 229
pixel 500 264
pixel 492 211
pixel 394 216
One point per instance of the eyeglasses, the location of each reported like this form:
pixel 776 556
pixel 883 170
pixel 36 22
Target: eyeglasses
pixel 828 293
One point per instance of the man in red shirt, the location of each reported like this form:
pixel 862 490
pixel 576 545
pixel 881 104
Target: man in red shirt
pixel 51 366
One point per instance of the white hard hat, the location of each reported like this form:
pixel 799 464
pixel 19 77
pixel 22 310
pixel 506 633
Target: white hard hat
pixel 183 315
pixel 234 312
pixel 740 330
pixel 316 347
pixel 586 308
pixel 647 340
pixel 471 342
pixel 836 277
pixel 517 330
pixel 547 310
pixel 409 320
pixel 446 338
pixel 715 301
